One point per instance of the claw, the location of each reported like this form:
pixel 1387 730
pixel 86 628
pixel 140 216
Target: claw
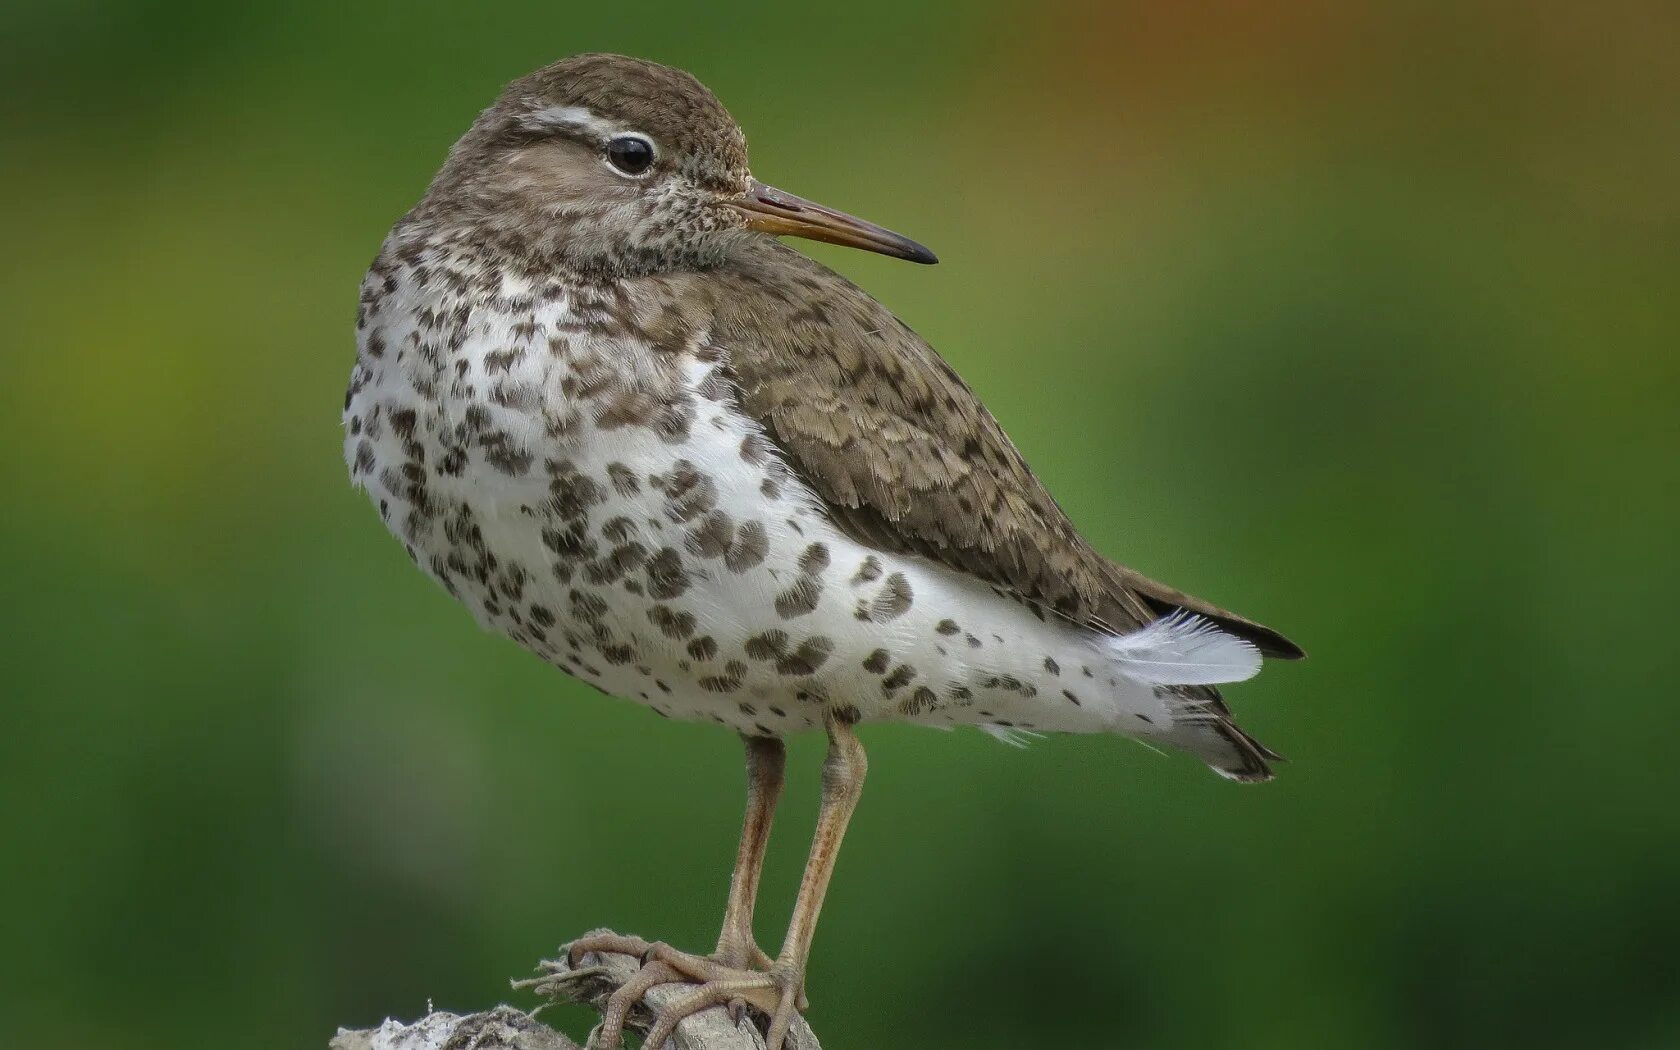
pixel 770 994
pixel 710 994
pixel 627 996
pixel 777 992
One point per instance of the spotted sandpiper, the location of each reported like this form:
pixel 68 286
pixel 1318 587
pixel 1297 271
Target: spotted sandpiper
pixel 605 408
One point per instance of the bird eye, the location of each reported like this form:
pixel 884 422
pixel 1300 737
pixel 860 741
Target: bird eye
pixel 631 154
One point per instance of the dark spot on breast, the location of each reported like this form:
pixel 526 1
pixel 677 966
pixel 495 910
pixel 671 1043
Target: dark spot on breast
pixel 587 606
pixel 812 653
pixel 561 423
pixel 868 571
pixel 627 406
pixel 898 679
pixel 520 397
pixel 618 529
pixel 894 600
pixel 918 702
pixel 800 597
pixel 1052 666
pixel 666 577
pixel 500 361
pixel 756 449
pixel 571 542
pixel 511 583
pixel 622 559
pixel 673 421
pixel 623 479
pixel 947 627
pixel 814 559
pixel 876 662
pixel 689 493
pixel 727 682
pixel 751 545
pixel 673 623
pixel 713 536
pixel 768 645
pixel 453 462
pixel 474 420
pixel 571 494
pixel 703 648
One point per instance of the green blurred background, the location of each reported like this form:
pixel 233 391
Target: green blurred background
pixel 1360 318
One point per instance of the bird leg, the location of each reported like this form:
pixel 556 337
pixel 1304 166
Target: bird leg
pixel 776 991
pixel 737 948
pixel 766 760
pixel 842 785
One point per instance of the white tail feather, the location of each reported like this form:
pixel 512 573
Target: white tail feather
pixel 1010 735
pixel 1184 649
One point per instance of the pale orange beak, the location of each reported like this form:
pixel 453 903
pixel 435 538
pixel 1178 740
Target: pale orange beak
pixel 776 212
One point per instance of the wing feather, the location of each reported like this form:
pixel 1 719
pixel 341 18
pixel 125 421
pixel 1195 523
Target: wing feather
pixel 883 429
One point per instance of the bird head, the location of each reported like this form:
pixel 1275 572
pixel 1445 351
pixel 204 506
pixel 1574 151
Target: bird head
pixel 617 165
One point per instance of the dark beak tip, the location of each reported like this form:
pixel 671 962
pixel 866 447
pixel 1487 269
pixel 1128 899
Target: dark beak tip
pixel 913 251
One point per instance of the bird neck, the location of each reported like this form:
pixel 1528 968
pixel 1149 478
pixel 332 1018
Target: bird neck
pixel 562 245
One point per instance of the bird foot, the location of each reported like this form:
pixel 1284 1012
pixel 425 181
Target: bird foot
pixel 772 989
pixel 737 956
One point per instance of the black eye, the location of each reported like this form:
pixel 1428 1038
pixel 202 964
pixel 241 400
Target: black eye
pixel 630 154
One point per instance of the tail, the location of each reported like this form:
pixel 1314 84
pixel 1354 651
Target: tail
pixel 1203 726
pixel 1182 656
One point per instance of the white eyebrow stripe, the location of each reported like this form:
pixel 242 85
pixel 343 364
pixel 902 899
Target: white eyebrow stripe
pixel 580 117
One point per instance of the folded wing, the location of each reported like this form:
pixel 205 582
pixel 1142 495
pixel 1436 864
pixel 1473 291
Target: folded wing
pixel 877 423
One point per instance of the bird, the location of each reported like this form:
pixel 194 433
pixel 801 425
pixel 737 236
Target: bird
pixel 602 403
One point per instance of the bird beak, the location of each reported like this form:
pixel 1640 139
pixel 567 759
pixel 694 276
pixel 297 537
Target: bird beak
pixel 781 214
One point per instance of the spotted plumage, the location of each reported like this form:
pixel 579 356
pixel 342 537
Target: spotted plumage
pixel 557 444
pixel 688 465
pixel 544 456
